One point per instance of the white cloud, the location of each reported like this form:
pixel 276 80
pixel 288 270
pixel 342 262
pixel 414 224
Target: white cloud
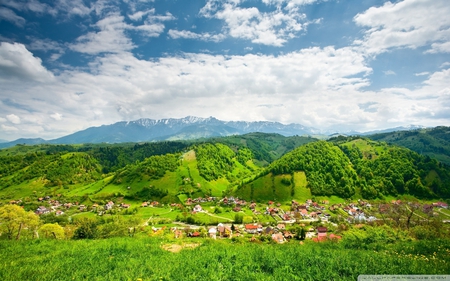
pixel 268 28
pixel 9 15
pixel 16 62
pixel 140 14
pixel 440 48
pixel 389 72
pixel 185 34
pixel 110 39
pixel 56 116
pixel 122 87
pixel 13 118
pixel 7 128
pixel 405 24
pixel 422 73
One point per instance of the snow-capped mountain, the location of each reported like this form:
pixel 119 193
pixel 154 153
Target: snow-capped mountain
pixel 189 127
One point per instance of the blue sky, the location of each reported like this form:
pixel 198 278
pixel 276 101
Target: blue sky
pixel 67 65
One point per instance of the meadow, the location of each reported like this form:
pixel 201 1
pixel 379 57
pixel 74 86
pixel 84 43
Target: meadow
pixel 162 258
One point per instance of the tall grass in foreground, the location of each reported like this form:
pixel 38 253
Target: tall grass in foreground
pixel 144 258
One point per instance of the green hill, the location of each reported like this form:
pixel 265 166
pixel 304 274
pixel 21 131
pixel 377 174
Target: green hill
pixel 432 142
pixel 350 167
pixel 257 167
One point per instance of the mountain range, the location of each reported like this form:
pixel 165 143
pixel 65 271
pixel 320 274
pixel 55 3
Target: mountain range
pixel 190 127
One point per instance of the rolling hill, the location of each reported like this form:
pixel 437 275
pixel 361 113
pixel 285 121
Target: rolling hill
pixel 432 142
pixel 256 167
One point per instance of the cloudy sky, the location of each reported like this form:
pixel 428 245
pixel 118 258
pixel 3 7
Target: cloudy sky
pixel 66 65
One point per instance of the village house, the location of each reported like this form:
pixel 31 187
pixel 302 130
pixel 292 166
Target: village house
pixel 109 205
pixel 287 234
pixel 194 234
pixel 268 230
pixel 224 230
pixel 59 213
pixel 278 237
pixel 197 208
pixel 322 232
pixel 441 205
pixel 42 211
pixel 251 228
pixel 212 232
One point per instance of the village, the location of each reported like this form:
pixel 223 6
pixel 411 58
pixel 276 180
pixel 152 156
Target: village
pixel 272 220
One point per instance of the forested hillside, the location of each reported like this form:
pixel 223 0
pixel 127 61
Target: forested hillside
pixel 433 142
pixel 254 167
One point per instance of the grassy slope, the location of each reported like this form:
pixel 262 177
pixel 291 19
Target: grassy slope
pixel 146 259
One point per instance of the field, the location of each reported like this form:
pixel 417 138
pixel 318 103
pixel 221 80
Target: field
pixel 156 258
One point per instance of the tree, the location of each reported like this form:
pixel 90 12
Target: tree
pixel 52 231
pixel 13 219
pixel 238 218
pixel 87 229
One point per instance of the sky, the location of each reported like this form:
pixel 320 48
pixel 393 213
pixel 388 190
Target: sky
pixel 66 65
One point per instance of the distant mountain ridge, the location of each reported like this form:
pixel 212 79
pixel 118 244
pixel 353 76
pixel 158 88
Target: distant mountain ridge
pixel 190 127
pixel 186 128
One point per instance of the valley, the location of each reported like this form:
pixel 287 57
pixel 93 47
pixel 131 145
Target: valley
pixel 353 194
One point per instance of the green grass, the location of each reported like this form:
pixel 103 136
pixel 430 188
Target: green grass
pixel 145 259
pixel 301 192
pixel 263 188
pixel 32 188
pixel 369 148
pixel 282 191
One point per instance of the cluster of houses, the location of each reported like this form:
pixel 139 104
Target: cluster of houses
pixel 199 200
pixel 277 233
pixel 150 204
pixel 310 210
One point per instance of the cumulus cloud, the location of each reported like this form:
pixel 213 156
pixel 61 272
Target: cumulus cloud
pixel 13 118
pixel 406 24
pixel 268 28
pixel 112 37
pixel 16 62
pixel 122 87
